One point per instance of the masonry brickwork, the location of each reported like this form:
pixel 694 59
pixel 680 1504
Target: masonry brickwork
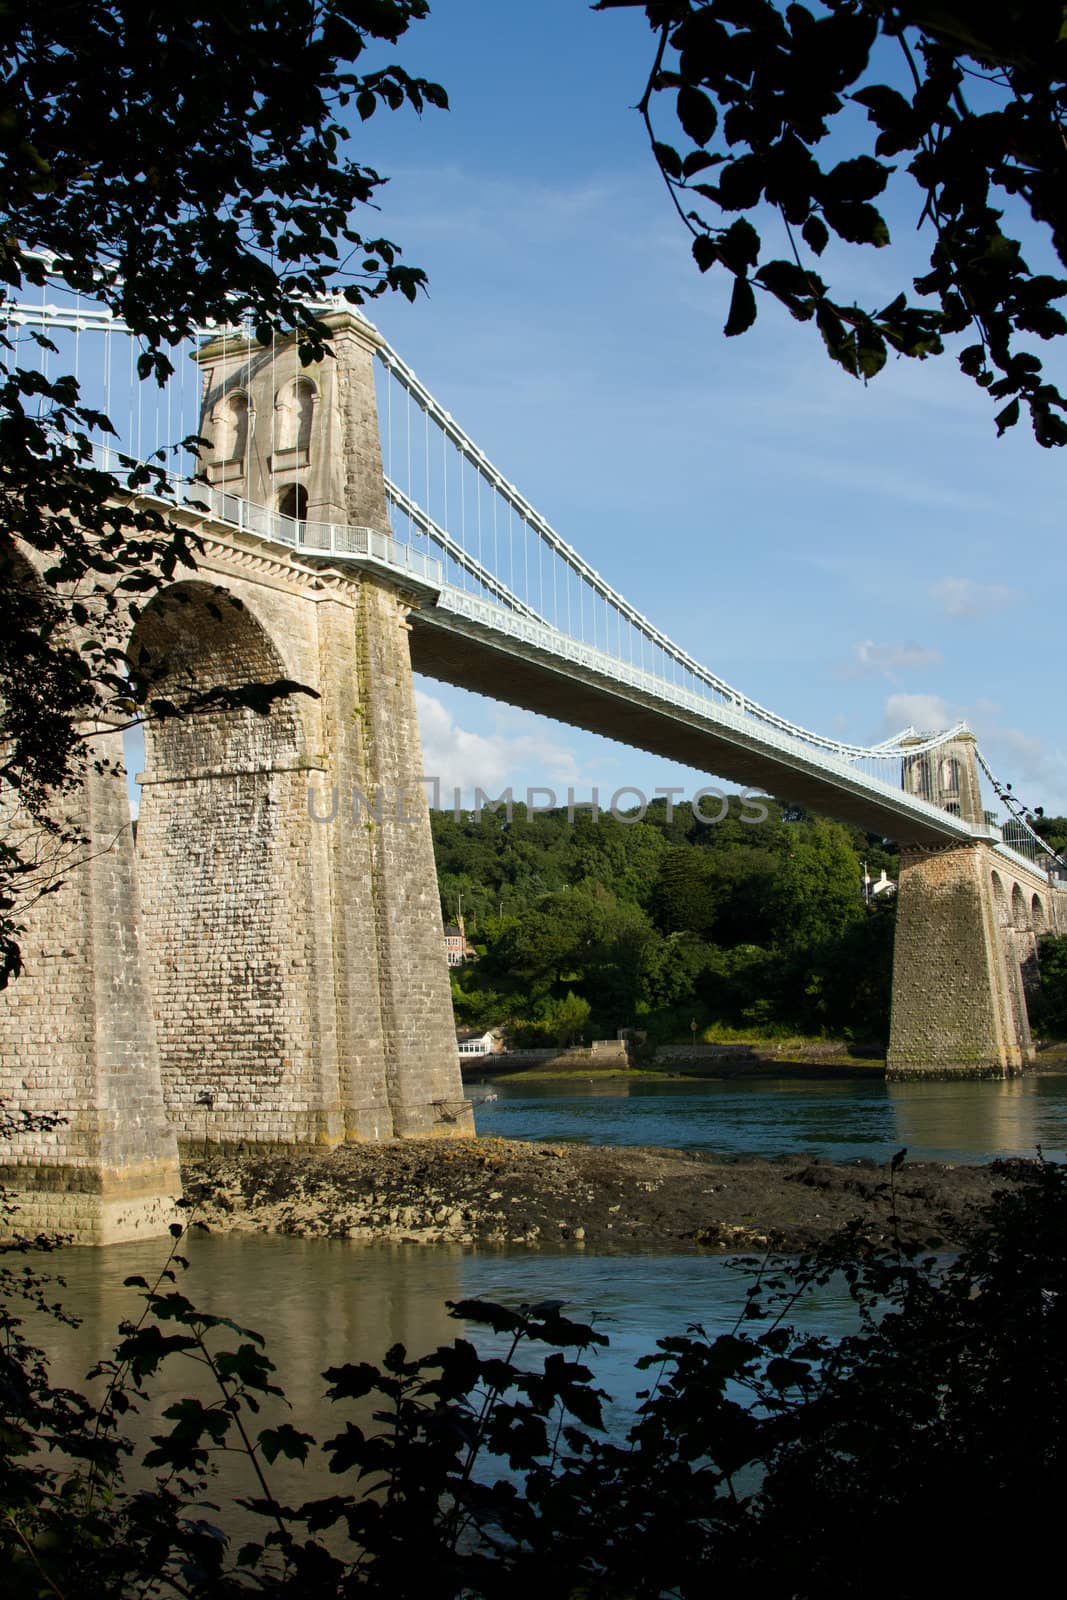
pixel 297 933
pixel 968 924
pixel 77 1040
pixel 271 968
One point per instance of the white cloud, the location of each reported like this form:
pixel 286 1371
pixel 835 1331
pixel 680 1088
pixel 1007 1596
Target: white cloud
pixel 929 713
pixel 1036 770
pixel 512 756
pixel 890 658
pixel 964 599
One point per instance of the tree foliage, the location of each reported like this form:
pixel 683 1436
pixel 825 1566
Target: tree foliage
pixel 181 165
pixel 1048 1007
pixel 660 922
pixel 764 1459
pixel 967 100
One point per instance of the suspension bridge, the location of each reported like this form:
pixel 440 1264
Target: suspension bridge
pixel 288 977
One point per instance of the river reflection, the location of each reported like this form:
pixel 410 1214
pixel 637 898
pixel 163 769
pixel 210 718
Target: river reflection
pixel 320 1302
pixel 838 1119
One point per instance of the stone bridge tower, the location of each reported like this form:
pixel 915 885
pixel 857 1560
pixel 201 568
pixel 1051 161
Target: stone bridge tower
pixel 968 922
pixel 270 968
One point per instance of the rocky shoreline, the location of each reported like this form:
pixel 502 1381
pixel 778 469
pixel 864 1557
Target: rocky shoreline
pixel 499 1191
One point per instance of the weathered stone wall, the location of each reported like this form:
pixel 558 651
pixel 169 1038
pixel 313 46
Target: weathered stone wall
pixel 223 845
pixel 420 1036
pixel 966 924
pixel 295 946
pixel 291 969
pixel 77 1041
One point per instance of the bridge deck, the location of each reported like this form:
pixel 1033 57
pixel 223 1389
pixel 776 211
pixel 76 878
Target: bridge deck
pixel 477 656
pixel 512 656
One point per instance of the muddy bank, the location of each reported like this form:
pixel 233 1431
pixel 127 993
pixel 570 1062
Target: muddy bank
pixel 501 1191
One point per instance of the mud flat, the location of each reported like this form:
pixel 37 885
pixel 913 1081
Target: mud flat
pixel 499 1191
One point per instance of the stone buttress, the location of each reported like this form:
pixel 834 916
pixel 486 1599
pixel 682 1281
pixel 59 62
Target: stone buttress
pixel 319 1008
pixel 966 935
pixel 271 968
pixel 77 1040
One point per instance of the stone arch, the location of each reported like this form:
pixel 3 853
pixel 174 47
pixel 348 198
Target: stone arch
pixel 1019 954
pixel 223 875
pixel 194 637
pixel 1038 915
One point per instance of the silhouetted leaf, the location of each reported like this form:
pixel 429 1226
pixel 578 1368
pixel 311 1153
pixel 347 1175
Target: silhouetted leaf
pixel 697 114
pixel 742 308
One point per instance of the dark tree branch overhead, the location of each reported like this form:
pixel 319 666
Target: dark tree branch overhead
pixel 183 164
pixel 759 88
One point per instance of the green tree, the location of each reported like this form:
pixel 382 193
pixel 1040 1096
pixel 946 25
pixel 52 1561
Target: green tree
pixel 181 165
pixel 568 1019
pixel 623 857
pixel 551 944
pixel 1049 1005
pixel 967 98
pixel 815 893
pixel 687 893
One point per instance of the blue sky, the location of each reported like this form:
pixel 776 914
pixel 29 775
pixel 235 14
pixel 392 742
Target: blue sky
pixel 856 559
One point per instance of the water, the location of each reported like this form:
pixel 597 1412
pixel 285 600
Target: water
pixel 321 1302
pixel 324 1302
pixel 837 1119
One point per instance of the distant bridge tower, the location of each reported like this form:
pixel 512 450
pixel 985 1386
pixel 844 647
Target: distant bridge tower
pixel 948 777
pixel 968 921
pixel 273 969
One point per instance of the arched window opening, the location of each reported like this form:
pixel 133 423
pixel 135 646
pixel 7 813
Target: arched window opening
pixel 293 502
pixel 229 431
pixel 918 777
pixel 305 406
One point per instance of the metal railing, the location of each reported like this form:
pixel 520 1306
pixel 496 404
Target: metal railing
pixel 547 640
pixel 346 541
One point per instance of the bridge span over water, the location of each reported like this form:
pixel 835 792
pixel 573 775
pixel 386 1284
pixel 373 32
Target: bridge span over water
pixel 249 972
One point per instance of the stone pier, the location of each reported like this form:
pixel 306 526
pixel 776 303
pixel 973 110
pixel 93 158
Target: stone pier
pixel 270 969
pixel 78 1043
pixel 968 922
